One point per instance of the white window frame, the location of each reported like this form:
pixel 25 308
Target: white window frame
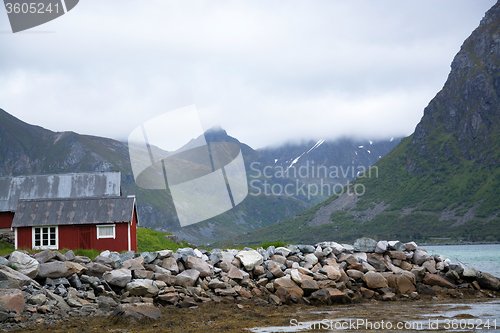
pixel 44 247
pixel 106 226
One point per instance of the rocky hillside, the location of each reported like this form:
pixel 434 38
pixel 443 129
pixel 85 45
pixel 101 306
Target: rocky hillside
pixel 443 181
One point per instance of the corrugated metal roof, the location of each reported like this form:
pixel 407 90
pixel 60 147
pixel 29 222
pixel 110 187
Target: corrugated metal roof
pixel 73 211
pixel 72 185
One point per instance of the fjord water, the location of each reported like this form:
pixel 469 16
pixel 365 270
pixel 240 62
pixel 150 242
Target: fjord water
pixel 483 257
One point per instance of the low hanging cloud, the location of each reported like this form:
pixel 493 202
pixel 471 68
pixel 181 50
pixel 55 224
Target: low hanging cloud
pixel 266 71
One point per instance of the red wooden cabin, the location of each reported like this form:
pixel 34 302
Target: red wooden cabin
pixel 105 223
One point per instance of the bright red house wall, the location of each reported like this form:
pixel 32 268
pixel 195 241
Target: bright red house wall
pixel 70 237
pixel 24 238
pixel 6 219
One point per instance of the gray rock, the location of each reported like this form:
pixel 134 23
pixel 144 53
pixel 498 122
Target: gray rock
pixel 216 284
pixel 38 299
pixel 283 251
pixel 24 264
pixel 53 269
pixel 365 245
pixel 411 246
pixel 378 263
pixel 3 261
pixel 60 302
pixel 420 256
pixel 61 281
pixel 132 264
pixel 164 254
pixel 104 261
pixel 185 253
pixel 171 265
pixel 69 255
pixel 311 258
pixel 198 264
pixel 61 291
pixel 348 248
pixel 106 303
pixel 146 288
pixel 397 245
pixel 118 277
pixel 468 271
pixel 374 280
pixel 488 281
pixel 149 257
pixel 306 248
pixel 250 259
pixel 381 246
pixel 96 269
pixel 187 278
pixel 45 256
pixel 136 311
pixel 75 282
pixel 82 260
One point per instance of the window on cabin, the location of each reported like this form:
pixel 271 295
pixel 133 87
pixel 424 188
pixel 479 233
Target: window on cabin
pixel 106 231
pixel 45 237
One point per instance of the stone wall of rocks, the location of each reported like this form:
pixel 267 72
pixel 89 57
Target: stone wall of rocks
pixel 49 286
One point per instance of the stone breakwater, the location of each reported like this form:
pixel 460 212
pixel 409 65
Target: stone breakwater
pixel 49 286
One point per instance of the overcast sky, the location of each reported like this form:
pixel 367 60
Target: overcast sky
pixel 266 71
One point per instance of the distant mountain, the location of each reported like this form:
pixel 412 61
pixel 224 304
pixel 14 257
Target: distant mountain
pixel 442 182
pixel 27 149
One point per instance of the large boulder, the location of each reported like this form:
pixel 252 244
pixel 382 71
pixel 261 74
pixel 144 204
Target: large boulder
pixel 250 259
pixel 54 269
pixel 365 245
pixel 185 253
pixel 133 264
pixel 97 270
pixel 374 280
pixel 24 263
pixel 289 285
pixel 11 279
pixel 381 246
pixel 437 280
pixel 403 283
pixel 118 277
pixel 146 288
pixel 275 269
pixel 198 264
pixel 170 264
pixel 420 256
pixel 397 245
pixel 75 268
pixel 187 278
pixel 234 273
pixel 11 300
pixel 45 256
pixel 488 281
pixel 332 272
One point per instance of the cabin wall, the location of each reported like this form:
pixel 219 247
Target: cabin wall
pixel 82 237
pixel 6 219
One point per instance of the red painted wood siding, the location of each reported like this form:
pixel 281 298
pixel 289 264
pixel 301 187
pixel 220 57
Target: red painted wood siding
pixel 24 238
pixel 6 219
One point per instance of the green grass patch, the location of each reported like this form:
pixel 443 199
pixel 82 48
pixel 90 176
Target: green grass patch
pixel 151 240
pixel 5 248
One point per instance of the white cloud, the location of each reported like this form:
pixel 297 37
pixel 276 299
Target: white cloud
pixel 266 71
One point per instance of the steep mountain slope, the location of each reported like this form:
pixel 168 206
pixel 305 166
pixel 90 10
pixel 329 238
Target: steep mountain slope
pixel 441 182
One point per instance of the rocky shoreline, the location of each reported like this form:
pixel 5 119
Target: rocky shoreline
pixel 50 287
